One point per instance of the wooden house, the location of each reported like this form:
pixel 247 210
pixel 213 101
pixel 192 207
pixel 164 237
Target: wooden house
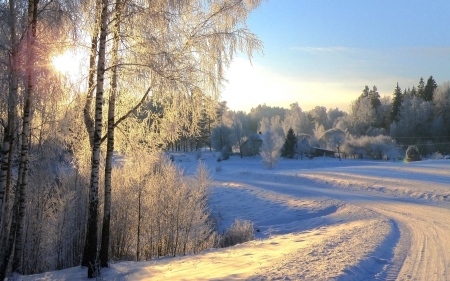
pixel 251 146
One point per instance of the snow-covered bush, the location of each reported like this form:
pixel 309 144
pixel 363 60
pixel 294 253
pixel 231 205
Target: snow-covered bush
pixel 225 153
pixel 436 155
pixel 412 154
pixel 158 211
pixel 379 147
pixel 241 231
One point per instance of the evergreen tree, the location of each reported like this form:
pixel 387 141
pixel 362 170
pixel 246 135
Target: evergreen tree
pixel 413 92
pixel 365 92
pixel 374 97
pixel 205 129
pixel 221 109
pixel 289 144
pixel 421 88
pixel 429 89
pixel 396 103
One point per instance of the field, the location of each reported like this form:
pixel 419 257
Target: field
pixel 319 219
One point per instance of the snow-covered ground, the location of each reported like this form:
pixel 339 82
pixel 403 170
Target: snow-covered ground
pixel 319 219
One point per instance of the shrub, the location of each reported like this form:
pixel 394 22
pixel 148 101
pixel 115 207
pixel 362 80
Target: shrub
pixel 412 154
pixel 225 153
pixel 241 231
pixel 436 155
pixel 170 210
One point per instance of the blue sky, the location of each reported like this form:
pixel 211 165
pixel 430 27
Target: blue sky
pixel 323 52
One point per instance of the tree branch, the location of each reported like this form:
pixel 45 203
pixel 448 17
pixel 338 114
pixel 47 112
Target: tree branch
pixel 130 111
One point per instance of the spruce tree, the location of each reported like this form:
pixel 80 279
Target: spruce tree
pixel 429 89
pixel 421 88
pixel 396 103
pixel 413 92
pixel 365 92
pixel 289 144
pixel 374 97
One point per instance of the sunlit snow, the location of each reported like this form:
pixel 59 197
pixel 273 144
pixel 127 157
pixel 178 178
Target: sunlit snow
pixel 319 219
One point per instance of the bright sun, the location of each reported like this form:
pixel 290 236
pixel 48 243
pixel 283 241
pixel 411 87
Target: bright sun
pixel 68 63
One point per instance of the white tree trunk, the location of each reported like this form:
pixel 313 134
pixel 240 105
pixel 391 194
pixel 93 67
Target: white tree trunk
pixel 22 181
pixel 90 248
pixel 88 122
pixel 104 249
pixel 7 148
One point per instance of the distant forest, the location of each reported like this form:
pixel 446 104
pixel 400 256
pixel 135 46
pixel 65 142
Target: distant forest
pixel 374 127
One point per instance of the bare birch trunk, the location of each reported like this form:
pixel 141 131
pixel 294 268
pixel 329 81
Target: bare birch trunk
pixel 90 248
pixel 88 122
pixel 23 163
pixel 104 249
pixel 138 234
pixel 7 148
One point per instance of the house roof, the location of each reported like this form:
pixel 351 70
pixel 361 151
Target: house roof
pixel 322 149
pixel 258 138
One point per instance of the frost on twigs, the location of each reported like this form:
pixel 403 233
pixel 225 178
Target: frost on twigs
pixel 161 211
pixel 241 231
pixel 270 150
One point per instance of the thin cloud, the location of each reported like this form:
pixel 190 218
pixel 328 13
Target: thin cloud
pixel 323 49
pixel 423 51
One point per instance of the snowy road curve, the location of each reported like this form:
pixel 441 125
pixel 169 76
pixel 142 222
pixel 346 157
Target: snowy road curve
pixel 416 202
pixel 423 245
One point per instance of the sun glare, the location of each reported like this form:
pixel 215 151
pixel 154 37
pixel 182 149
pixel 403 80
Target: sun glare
pixel 67 63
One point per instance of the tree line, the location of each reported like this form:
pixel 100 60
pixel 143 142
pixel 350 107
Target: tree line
pixel 374 127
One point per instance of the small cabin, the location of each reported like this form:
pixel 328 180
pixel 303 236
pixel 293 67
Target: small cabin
pixel 251 146
pixel 318 152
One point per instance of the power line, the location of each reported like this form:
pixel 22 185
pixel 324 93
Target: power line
pixel 421 144
pixel 420 137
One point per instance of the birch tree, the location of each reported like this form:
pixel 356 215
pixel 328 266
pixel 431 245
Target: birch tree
pixel 31 24
pixel 273 141
pixel 90 249
pixel 16 230
pixel 104 250
pixel 7 145
pixel 186 46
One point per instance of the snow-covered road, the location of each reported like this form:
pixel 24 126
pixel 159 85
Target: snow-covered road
pixel 417 203
pixel 422 252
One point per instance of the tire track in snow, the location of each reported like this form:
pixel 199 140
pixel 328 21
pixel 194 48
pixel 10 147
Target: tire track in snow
pixel 420 253
pixel 428 227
